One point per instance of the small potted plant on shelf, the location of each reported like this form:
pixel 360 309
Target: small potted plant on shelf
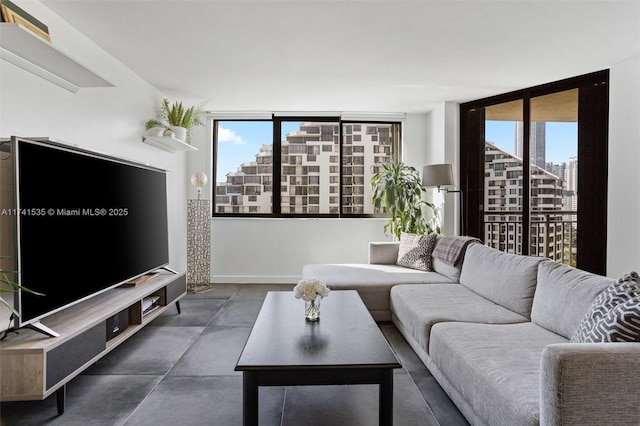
pixel 397 191
pixel 176 118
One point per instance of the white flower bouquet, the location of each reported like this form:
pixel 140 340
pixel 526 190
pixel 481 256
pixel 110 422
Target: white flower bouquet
pixel 307 290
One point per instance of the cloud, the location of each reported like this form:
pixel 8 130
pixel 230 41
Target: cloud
pixel 228 135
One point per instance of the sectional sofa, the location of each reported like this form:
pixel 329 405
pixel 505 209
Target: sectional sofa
pixel 498 332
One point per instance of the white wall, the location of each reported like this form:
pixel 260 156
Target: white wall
pixel 623 210
pixel 443 124
pixel 274 250
pixel 110 120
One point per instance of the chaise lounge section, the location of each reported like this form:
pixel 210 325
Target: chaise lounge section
pixel 496 330
pixel 374 280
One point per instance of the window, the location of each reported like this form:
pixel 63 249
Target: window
pixel 323 166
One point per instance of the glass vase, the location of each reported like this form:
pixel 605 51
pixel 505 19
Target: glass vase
pixel 312 309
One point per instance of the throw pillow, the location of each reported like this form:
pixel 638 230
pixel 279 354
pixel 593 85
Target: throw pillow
pixel 614 316
pixel 415 251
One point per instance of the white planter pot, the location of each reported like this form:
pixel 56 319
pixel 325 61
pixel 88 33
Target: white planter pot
pixel 181 132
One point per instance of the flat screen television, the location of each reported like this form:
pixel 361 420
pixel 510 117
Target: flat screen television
pixel 84 223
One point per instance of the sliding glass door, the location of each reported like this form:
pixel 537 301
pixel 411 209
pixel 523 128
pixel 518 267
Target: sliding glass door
pixel 524 157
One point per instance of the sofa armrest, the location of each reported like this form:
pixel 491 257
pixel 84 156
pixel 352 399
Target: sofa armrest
pixel 383 253
pixel 590 383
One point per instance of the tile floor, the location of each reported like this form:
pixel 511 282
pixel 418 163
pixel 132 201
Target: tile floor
pixel 178 370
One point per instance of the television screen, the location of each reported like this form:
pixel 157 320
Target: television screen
pixel 85 223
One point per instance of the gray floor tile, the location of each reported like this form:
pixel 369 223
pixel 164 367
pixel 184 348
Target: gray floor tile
pixel 214 353
pixel 152 350
pixel 335 405
pixel 195 312
pixel 217 291
pixel 258 291
pixel 355 405
pixel 409 405
pixel 442 407
pixel 91 400
pixel 210 401
pixel 238 312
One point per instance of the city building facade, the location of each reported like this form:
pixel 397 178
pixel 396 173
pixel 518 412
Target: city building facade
pixel 316 177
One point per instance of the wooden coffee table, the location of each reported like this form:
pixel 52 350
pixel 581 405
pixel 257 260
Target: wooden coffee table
pixel 345 347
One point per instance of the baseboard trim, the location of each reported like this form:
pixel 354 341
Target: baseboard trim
pixel 254 279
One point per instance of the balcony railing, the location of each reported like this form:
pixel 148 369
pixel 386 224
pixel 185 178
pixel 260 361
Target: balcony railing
pixel 553 234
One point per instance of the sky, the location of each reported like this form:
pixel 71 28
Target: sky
pixel 240 141
pixel 561 139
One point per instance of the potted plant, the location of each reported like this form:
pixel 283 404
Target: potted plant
pixel 397 190
pixel 8 286
pixel 177 118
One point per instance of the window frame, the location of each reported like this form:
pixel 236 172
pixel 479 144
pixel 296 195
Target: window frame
pixel 593 142
pixel 276 176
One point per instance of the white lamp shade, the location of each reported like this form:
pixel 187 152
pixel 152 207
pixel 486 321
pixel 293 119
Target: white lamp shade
pixel 437 175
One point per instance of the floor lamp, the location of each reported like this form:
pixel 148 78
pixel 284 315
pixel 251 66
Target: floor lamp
pixel 438 176
pixel 198 239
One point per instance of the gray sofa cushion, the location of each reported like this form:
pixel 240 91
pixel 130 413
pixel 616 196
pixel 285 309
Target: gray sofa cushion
pixel 563 296
pixel 504 278
pixel 494 368
pixel 419 307
pixel 372 281
pixel 341 274
pixel 452 272
pixel 384 253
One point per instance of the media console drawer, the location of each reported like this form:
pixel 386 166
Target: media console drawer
pixel 176 288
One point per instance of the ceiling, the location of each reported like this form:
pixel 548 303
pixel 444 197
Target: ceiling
pixel 354 55
pixel 557 107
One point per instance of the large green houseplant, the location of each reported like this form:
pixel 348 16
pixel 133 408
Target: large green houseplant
pixel 398 191
pixel 173 116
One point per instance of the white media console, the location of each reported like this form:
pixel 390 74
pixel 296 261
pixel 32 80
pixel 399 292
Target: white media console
pixel 34 366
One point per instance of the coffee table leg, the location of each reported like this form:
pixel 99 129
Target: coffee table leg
pixel 249 399
pixel 386 398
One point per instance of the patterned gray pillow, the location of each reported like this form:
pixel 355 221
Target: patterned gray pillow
pixel 415 251
pixel 614 316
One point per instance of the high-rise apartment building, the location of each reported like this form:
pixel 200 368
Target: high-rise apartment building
pixel 504 204
pixel 537 142
pixel 571 179
pixel 311 171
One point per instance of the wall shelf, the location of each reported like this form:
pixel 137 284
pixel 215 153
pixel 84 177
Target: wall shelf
pixel 26 50
pixel 168 143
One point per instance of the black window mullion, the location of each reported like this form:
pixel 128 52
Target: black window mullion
pixel 340 141
pixel 526 172
pixel 214 167
pixel 276 202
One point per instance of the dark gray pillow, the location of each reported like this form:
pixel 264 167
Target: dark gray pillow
pixel 614 315
pixel 415 251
